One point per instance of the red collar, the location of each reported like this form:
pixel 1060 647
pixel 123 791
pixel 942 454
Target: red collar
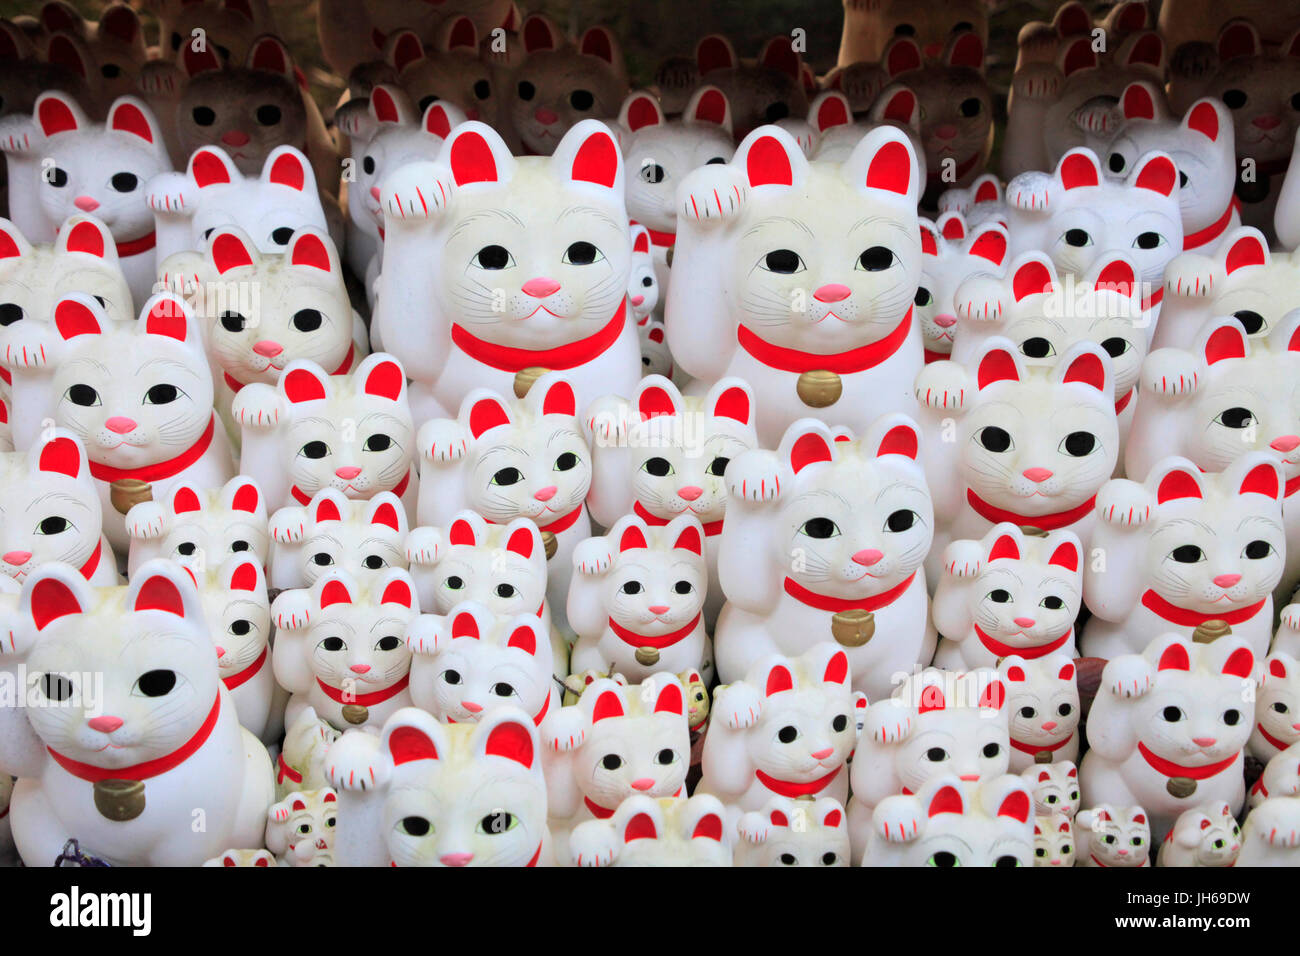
pixel 162 469
pixel 343 369
pixel 824 602
pixel 1154 299
pixel 1292 486
pixel 931 356
pixel 662 640
pixel 998 649
pixel 286 771
pixel 133 247
pixel 365 700
pixel 1214 229
pixel 1048 522
pixel 1271 739
pixel 1094 859
pixel 509 359
pixel 1260 788
pixel 657 238
pixel 150 768
pixel 1035 748
pixel 1170 769
pixel 234 680
pixel 303 498
pixel 710 527
pixel 92 562
pixel 789 788
pixel 1122 403
pixel 855 360
pixel 597 811
pixel 1181 616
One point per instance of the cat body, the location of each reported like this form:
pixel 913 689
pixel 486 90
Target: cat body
pixel 1271 834
pixel 193 523
pixel 642 283
pixel 238 613
pixel 1205 836
pixel 983 200
pixel 788 832
pixel 669 831
pixel 300 764
pixel 1113 835
pixel 361 536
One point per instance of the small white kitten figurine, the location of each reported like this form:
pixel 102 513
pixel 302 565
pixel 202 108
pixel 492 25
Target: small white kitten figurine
pixel 262 858
pixel 1277 707
pixel 362 537
pixel 1043 709
pixel 1054 840
pixel 300 827
pixel 1113 836
pixel 952 251
pixel 1205 836
pixel 789 832
pixel 301 762
pixel 680 831
pixel 1054 787
pixel 980 202
pixel 200 524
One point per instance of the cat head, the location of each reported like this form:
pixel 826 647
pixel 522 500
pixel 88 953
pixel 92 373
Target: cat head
pixel 981 201
pixel 1115 836
pixel 228 27
pixel 300 827
pixel 1029 588
pixel 306 742
pixel 953 251
pixel 362 537
pixel 644 831
pixel 1257 85
pixel 642 286
pixel 766 90
pixel 49 508
pixel 1054 787
pixel 99 168
pixel 114 47
pixel 237 611
pixel 449 71
pixel 501 566
pixel 1210 833
pixel 932 24
pixel 560 84
pixel 1042 700
pixel 208 525
pixel 799 833
pixel 154 403
pixel 529 456
pixel 471 662
pixel 1053 840
pixel 658 152
pixel 464 794
pixel 659 578
pixel 656 359
pixel 837 131
pixel 144 647
pixel 1277 706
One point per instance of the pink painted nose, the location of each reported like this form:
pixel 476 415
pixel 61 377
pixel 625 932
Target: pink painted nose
pixel 360 668
pixel 636 300
pixel 1123 852
pixel 690 492
pixel 945 321
pixel 970 777
pixel 1285 442
pixel 105 724
pixel 659 608
pixel 472 707
pixel 120 424
pixel 86 203
pixel 1037 474
pixel 455 859
pixel 221 652
pixel 540 287
pixel 1204 741
pixel 1295 726
pixel 823 753
pixel 236 137
pixel 268 349
pixel 1227 580
pixel 374 192
pixel 545 494
pixel 17 557
pixel 1267 121
pixel 1049 725
pixel 1024 622
pixel 644 783
pixel 834 292
pixel 867 556
pixel 946 131
pixel 545 116
pixel 347 472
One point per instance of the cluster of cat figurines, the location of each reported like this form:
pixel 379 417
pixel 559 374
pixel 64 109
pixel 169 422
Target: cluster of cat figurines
pixel 524 469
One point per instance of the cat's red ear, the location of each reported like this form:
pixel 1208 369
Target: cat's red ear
pixel 967 50
pixel 334 592
pixel 1016 805
pixel 386 515
pixel 127 117
pixel 471 159
pixel 166 317
pixel 1066 556
pixel 383 105
pixel 653 401
pixel 73 318
pixel 714 52
pixel 513 741
pixel 1238 38
pixel 1263 479
pixel 767 163
pixel 1158 174
pixel 632 539
pixel 988 190
pixel 397 591
pixel 902 55
pixel 710 105
pixel 1248 250
pixel 832 111
pixel 902 439
pixel 407 743
pixel 779 679
pixel 270 54
pixel 465 624
pixel 1004 547
pixel 197 59
pixel 185 500
pixel 309 249
pixel 1228 341
pixel 670 699
pixel 837 669
pixel 708 827
pixel 1079 169
pixel 1086 368
pixel 304 384
pixel 12 242
pixel 327 509
pixel 461 532
pixel 597 160
pixel 461 35
pixel 57 113
pixel 438 121
pixel 209 167
pixel 779 819
pixel 540 34
pixel 640 827
pixel 997 365
pixel 289 169
pixel 1066 672
pixel 229 251
pixel 50 600
pixel 899 106
pixel 1138 101
pixel 559 399
pixel 1178 482
pixel 1240 663
pixel 891 167
pixel 931 699
pixel 1032 277
pixel 61 456
pixel 945 800
pixel 386 380
pixel 1146 49
pixel 487 413
pixel 159 593
pixel 1174 658
pixel 600 43
pixel 689 540
pixel 1015 674
pixel 404 48
pixel 607 705
pixel 244 577
pixel 734 403
pixel 834 818
pixel 1204 118
pixel 524 638
pixel 929 238
pixel 808 449
pixel 779 54
pixel 990 243
pixel 1117 275
pixel 521 542
pixel 994 695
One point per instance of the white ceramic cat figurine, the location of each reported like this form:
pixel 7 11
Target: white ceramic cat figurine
pixel 787 728
pixel 936 723
pixel 656 359
pixel 1204 836
pixel 1185 549
pixel 680 831
pixel 757 276
pixel 767 89
pixel 1168 725
pixel 1043 709
pixel 1054 786
pixel 1277 707
pixel 191 522
pixel 789 832
pixel 449 71
pixel 1009 593
pixel 301 761
pixel 952 823
pixel 837 132
pixel 60 163
pixel 476 233
pixel 662 454
pixel 232 857
pixel 642 284
pixel 341 649
pixel 824 540
pixel 1271 835
pixel 983 200
pixel 1113 836
pixel 953 251
pixel 636 600
pixel 312 430
pixel 300 828
pixel 1286 218
pixel 428 794
pixel 238 613
pixel 163 740
pixel 1054 840
pixel 362 537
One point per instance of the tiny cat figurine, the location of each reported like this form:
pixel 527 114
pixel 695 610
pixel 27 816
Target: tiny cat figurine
pixel 470 662
pixel 1054 786
pixel 644 831
pixel 982 201
pixel 952 823
pixel 789 832
pixel 360 536
pixel 1168 725
pixel 615 742
pixel 312 430
pixel 1113 836
pixel 936 723
pixel 755 278
pixel 164 738
pixel 662 454
pixel 642 285
pixel 655 356
pixel 1041 470
pixel 561 286
pixel 1204 836
pixel 300 827
pixel 1281 777
pixel 197 523
pixel 825 539
pixel 340 647
pixel 233 857
pixel 1054 840
pixel 301 762
pixel 1201 144
pixel 147 422
pixel 1008 593
pixel 1043 709
pixel 424 793
pixel 526 458
pixel 765 90
pixel 50 511
pixel 786 729
pixel 238 613
pixel 57 163
pixel 636 599
pixel 868 28
pixel 1271 834
pixel 1277 707
pixel 953 251
pixel 1186 552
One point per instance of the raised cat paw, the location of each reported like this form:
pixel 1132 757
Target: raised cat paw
pixel 756 475
pixel 593 556
pixel 754 827
pixel 423 545
pixel 258 406
pixel 146 520
pixel 357 762
pixel 738 705
pixel 1129 675
pixel 19 134
pixel 28 345
pixel 416 192
pixel 712 194
pixel 288 525
pixel 979 299
pixel 1124 503
pixel 160 78
pixel 943 386
pixel 443 440
pixel 170 194
pixel 963 558
pixel 291 610
pixel 566 729
pixel 593 843
pixel 1191 275
pixel 897 819
pixel 1037 81
pixel 607 421
pixel 424 635
pixel 888 721
pixel 1172 373
pixel 1291 616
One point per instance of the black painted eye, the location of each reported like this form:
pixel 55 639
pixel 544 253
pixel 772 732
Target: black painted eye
pixel 378 442
pixel 631 587
pixel 333 644
pixel 56 686
pixel 653 173
pixel 1116 163
pixel 994 439
pixel 54 524
pixel 1077 238
pixel 368 165
pixel 970 106
pixel 1000 596
pixel 1182 179
pixel 922 297
pixel 787 734
pixel 683 587
pixel 162 395
pixel 1037 347
pixel 502 689
pixel 1007 860
pixel 426 102
pixel 788 859
pixel 905 30
pixel 1148 240
pixel 828 859
pixel 505 590
pixel 936 754
pixel 240 627
pixel 659 467
pixel 1235 417
pixel 82 395
pixel 455 582
pixel 10 312
pixel 451 677
pixel 314 449
pixel 718 466
pixel 566 462
pixel 526 90
pixel 176 41
pixel 268 115
pixel 666 757
pixel 56 177
pixel 840 723
pixel 611 761
pixel 508 476
pixel 820 528
pixel 776 112
pixel 944 859
pixel 1171 715
pixel 233 322
pixel 1280 707
pixel 582 100
pixel 1258 549
pixel 1115 346
pixel 1234 99
pixel 716 161
pixel 1052 603
pixel 492 257
pixel 1187 554
pixel 415 826
pixel 1040 853
pixel 1065 710
pixel 783 262
pixel 124 182
pixel 1079 444
pixel 580 254
pixel 204 115
pixel 1251 321
pixel 482 89
pixel 373 562
pixel 647 282
pixel 991 750
pixel 322 559
pixel 240 546
pixel 900 520
pixel 186 548
pixel 156 683
pixel 876 259
pixel 1028 713
pixel 307 320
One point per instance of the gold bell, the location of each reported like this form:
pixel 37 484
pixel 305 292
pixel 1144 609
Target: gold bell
pixel 126 493
pixel 647 656
pixel 1211 630
pixel 819 389
pixel 356 713
pixel 525 377
pixel 1033 531
pixel 1043 756
pixel 549 543
pixel 854 627
pixel 1180 787
pixel 119 800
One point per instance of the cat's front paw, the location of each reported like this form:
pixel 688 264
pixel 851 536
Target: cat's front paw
pixel 1128 676
pixel 1037 81
pixel 20 135
pixel 756 475
pixel 888 721
pixel 1291 616
pixel 1191 275
pixel 160 78
pixel 593 843
pixel 754 827
pixel 426 634
pixel 423 546
pixel 897 818
pixel 963 558
pixel 416 192
pixel 1124 503
pixel 1097 119
pixel 607 420
pixel 28 344
pixel 738 705
pixel 356 761
pixel 171 194
pixel 258 406
pixel 593 556
pixel 944 386
pixel 979 299
pixel 566 729
pixel 146 520
pixel 713 193
pixel 1030 191
pixel 443 440
pixel 291 609
pixel 288 525
pixel 1172 373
